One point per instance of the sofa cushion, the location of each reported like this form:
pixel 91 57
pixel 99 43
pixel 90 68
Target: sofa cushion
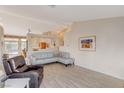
pixel 50 54
pixel 12 65
pixel 19 68
pixel 64 54
pixel 36 68
pixel 16 63
pixel 22 69
pixel 43 55
pixel 56 54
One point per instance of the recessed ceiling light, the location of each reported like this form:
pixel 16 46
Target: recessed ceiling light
pixel 52 6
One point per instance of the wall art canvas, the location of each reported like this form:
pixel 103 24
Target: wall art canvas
pixel 87 43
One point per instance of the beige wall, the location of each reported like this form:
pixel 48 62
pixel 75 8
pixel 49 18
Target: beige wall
pixel 109 55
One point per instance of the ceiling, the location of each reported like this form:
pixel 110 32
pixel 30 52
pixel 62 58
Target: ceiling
pixel 57 15
pixel 65 13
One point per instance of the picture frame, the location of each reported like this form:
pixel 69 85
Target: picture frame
pixel 87 43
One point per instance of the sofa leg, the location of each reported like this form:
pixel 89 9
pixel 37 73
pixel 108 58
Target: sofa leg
pixel 73 63
pixel 66 65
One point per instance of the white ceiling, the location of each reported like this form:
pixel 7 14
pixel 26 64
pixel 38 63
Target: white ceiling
pixel 15 25
pixel 64 14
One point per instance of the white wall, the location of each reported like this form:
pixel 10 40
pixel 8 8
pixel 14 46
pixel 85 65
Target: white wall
pixel 18 25
pixel 1 43
pixel 109 55
pixel 1 48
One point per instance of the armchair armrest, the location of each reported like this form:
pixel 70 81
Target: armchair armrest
pixel 35 66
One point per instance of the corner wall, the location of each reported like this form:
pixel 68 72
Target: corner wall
pixel 109 55
pixel 1 47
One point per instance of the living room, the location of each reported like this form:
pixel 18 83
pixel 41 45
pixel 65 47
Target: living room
pixel 39 49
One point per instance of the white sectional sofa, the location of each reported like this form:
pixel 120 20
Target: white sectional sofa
pixel 50 57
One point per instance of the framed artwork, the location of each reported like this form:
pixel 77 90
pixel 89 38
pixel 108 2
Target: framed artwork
pixel 87 43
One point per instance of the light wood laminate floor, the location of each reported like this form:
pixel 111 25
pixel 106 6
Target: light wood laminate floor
pixel 58 76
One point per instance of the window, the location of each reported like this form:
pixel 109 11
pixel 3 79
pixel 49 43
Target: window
pixel 14 46
pixel 11 46
pixel 23 44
